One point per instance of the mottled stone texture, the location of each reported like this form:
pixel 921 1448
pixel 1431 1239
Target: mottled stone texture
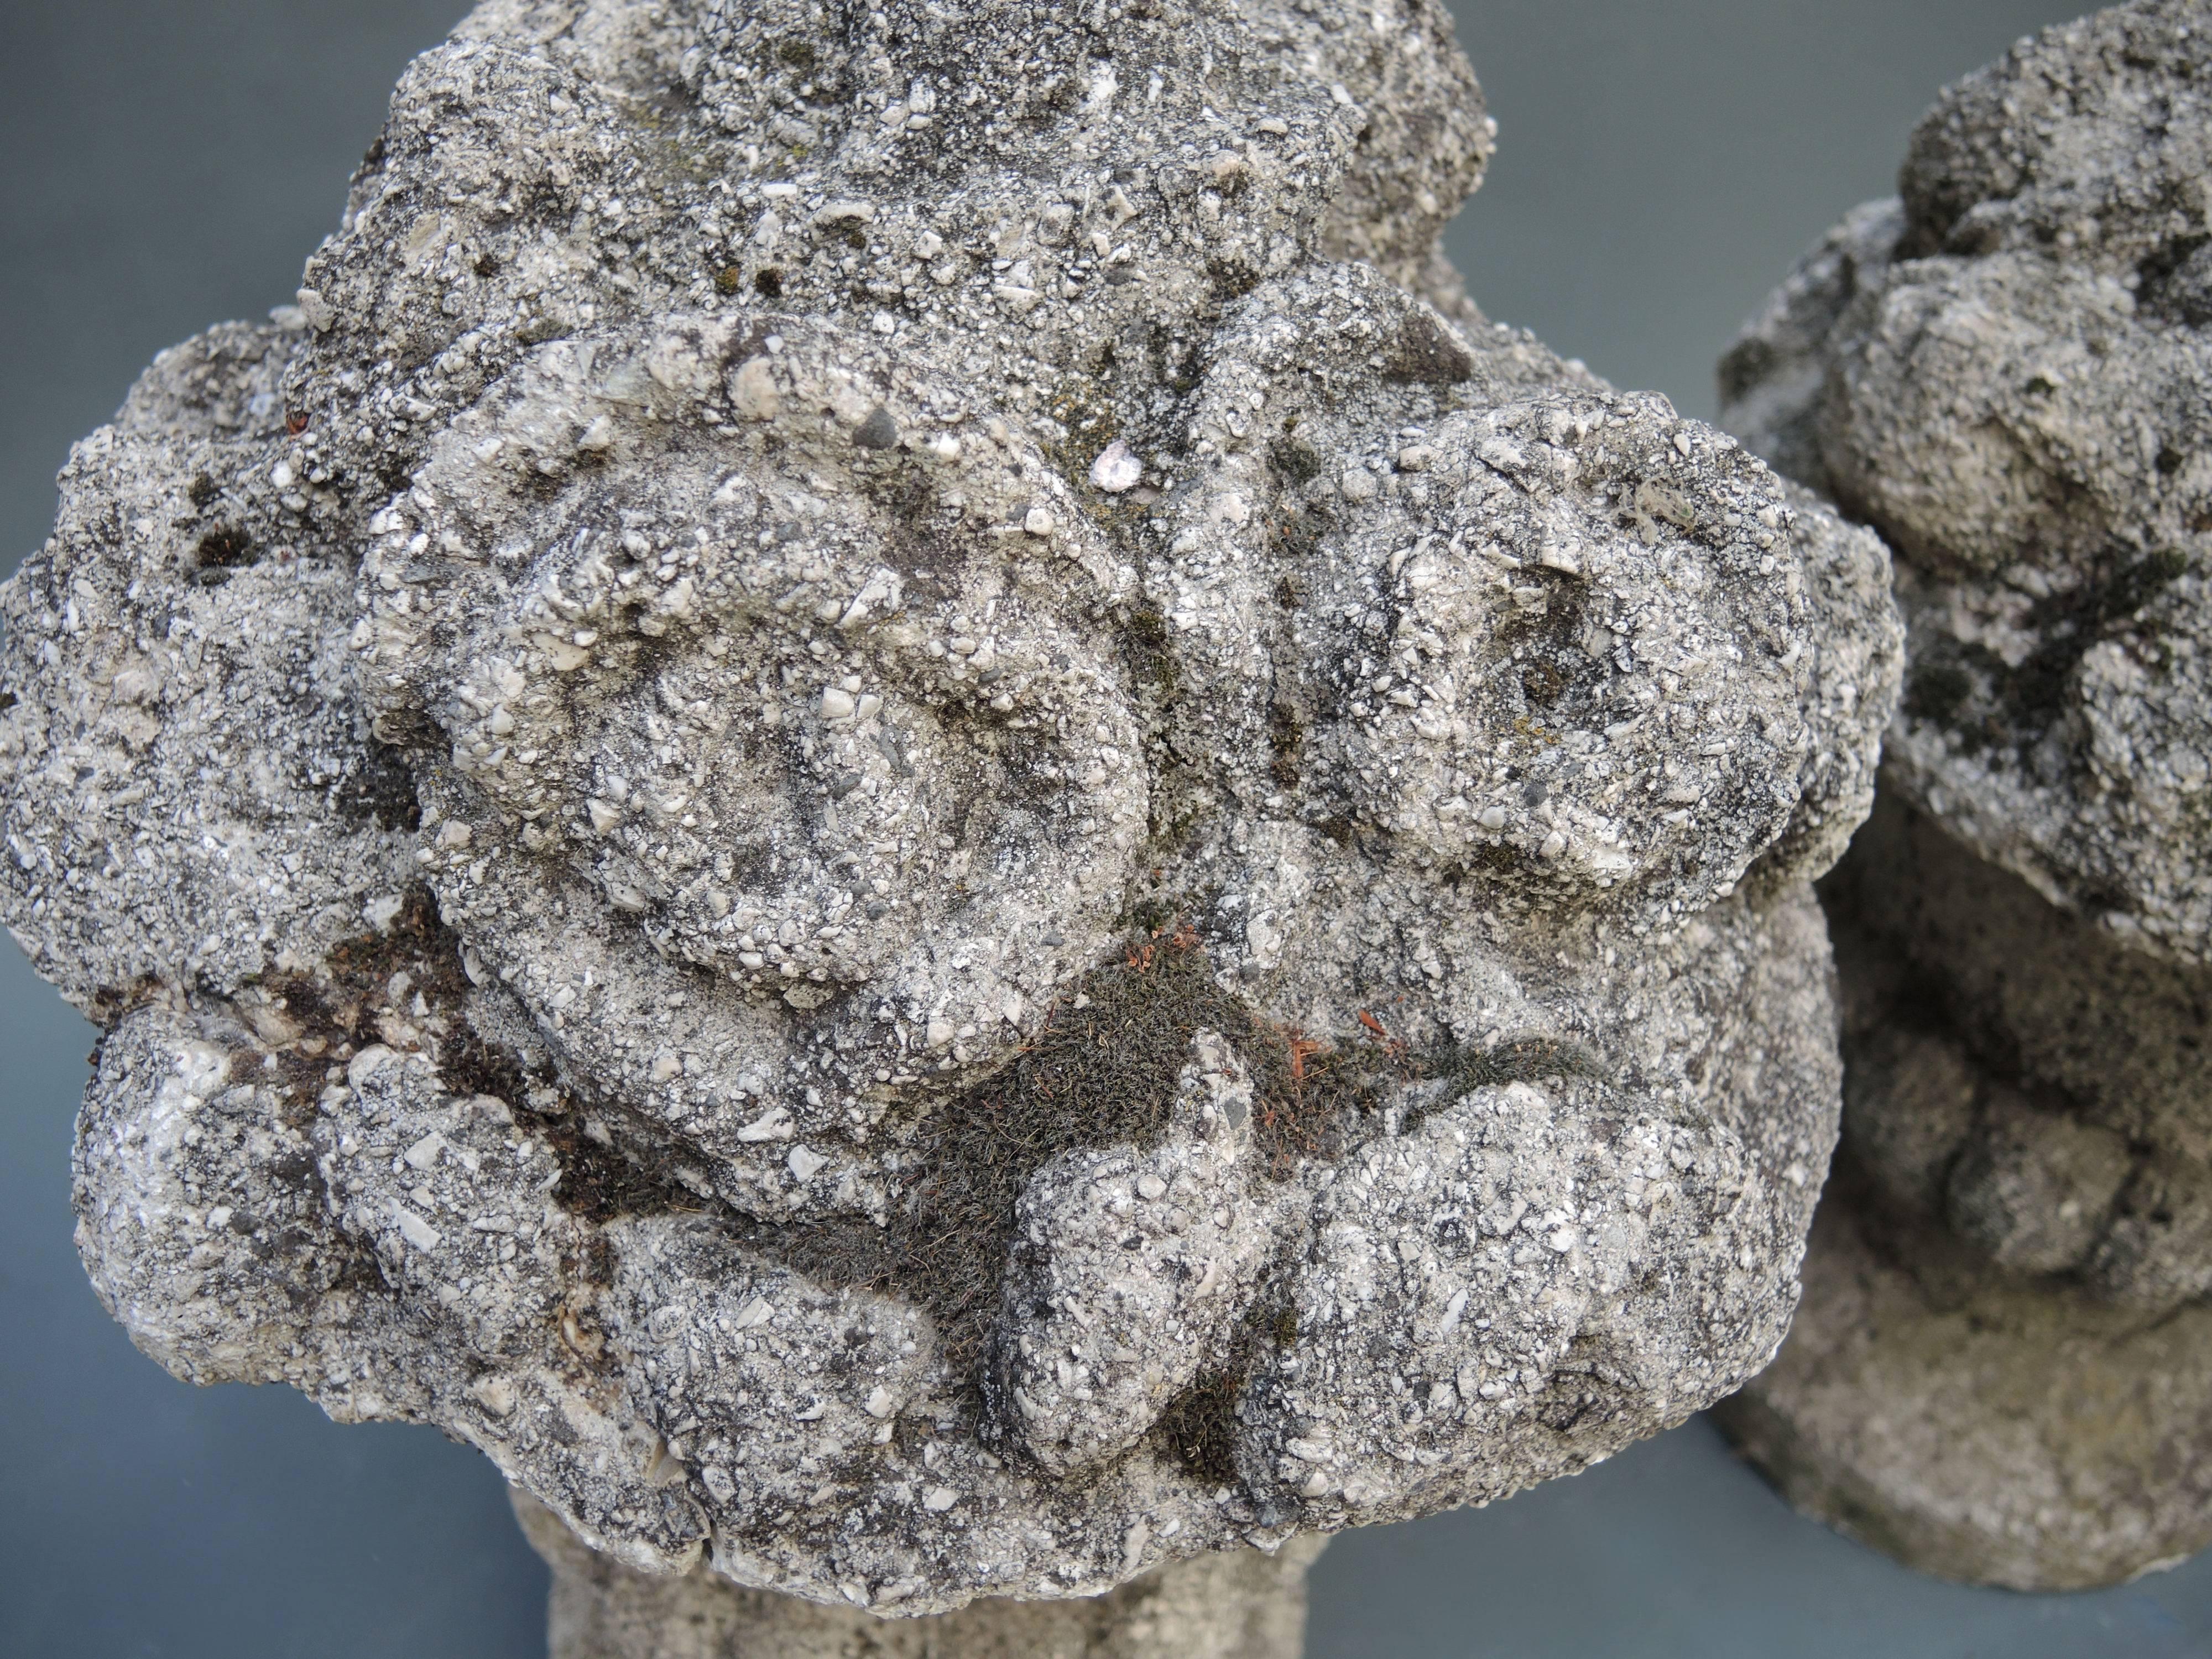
pixel 884 798
pixel 2003 1368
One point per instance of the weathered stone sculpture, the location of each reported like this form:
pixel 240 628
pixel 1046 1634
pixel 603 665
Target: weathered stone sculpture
pixel 2003 1368
pixel 884 798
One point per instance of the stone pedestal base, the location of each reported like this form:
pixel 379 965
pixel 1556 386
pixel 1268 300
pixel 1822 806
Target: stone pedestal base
pixel 1991 1430
pixel 1245 1605
pixel 2001 1371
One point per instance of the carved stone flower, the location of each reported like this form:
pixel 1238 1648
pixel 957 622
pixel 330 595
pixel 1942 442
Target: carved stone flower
pixel 884 798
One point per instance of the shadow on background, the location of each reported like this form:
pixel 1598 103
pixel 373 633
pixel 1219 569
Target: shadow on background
pixel 171 166
pixel 1676 1550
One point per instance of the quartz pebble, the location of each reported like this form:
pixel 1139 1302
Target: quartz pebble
pixel 1116 471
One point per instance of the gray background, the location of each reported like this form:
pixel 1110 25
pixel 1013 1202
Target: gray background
pixel 166 164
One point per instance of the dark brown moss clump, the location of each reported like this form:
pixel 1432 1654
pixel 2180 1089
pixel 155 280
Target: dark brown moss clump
pixel 369 982
pixel 600 1182
pixel 1514 1060
pixel 380 785
pixel 1101 1072
pixel 220 551
pixel 1200 1427
pixel 364 983
pixel 1151 650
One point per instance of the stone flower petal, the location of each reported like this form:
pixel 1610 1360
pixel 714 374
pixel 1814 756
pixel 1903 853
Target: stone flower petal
pixel 825 723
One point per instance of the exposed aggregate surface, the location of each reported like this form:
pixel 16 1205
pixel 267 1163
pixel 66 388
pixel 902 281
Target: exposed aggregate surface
pixel 885 799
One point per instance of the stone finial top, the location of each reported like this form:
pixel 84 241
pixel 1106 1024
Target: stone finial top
pixel 883 796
